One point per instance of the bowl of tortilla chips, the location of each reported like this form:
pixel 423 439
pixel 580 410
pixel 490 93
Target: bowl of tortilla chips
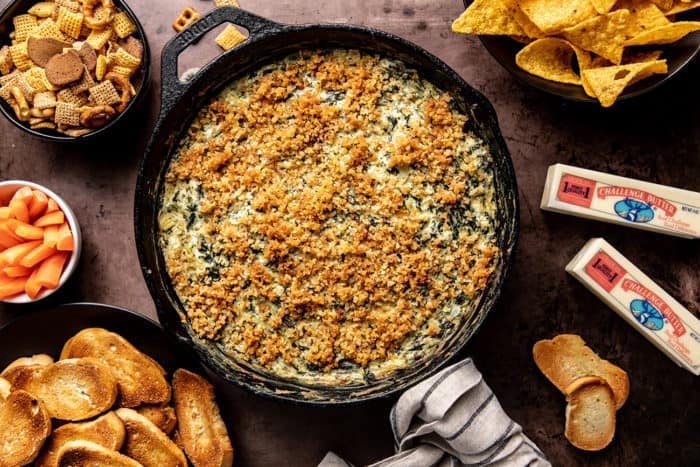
pixel 587 50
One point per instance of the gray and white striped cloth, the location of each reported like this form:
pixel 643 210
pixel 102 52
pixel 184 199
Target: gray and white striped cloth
pixel 454 419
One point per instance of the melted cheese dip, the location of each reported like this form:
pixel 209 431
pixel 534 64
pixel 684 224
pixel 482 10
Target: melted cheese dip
pixel 328 218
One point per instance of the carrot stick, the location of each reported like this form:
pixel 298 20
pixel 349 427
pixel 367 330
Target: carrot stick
pixel 11 287
pixel 4 212
pixel 7 237
pixel 19 210
pixel 16 271
pixel 32 287
pixel 52 206
pixel 25 231
pixel 65 238
pixel 37 255
pixel 38 204
pixel 51 235
pixel 24 194
pixel 49 271
pixel 12 256
pixel 51 218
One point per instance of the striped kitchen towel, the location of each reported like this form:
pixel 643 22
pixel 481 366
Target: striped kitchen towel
pixel 454 419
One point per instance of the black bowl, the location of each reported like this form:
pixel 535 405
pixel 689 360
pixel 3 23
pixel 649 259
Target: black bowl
pixel 180 101
pixel 142 77
pixel 678 55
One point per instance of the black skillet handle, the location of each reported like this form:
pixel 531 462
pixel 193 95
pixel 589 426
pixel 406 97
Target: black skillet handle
pixel 171 86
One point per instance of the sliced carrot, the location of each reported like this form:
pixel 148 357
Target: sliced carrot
pixel 38 204
pixel 7 237
pixel 51 218
pixel 11 286
pixel 37 255
pixel 24 194
pixel 52 206
pixel 4 212
pixel 65 238
pixel 25 231
pixel 51 235
pixel 19 210
pixel 16 271
pixel 13 255
pixel 32 287
pixel 49 271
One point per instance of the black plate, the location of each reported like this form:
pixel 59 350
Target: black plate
pixel 46 330
pixel 269 41
pixel 677 55
pixel 142 78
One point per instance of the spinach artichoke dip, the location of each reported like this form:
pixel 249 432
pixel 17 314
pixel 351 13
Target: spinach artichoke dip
pixel 329 218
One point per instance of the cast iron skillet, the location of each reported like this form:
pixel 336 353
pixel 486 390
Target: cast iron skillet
pixel 267 42
pixel 141 80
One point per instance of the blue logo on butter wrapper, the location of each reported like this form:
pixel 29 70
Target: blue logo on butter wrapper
pixel 634 210
pixel 647 315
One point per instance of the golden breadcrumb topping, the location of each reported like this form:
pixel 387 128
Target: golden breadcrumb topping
pixel 329 218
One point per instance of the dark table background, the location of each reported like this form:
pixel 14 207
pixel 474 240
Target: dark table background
pixel 655 138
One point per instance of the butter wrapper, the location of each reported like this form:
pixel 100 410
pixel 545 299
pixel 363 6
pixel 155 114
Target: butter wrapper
pixel 639 301
pixel 620 200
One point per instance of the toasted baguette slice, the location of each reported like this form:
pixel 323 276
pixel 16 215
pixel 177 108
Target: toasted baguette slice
pixel 24 426
pixel 162 416
pixel 20 376
pixel 201 431
pixel 5 388
pixel 141 379
pixel 81 453
pixel 75 389
pixel 147 444
pixel 107 430
pixel 590 416
pixel 566 358
pixel 41 359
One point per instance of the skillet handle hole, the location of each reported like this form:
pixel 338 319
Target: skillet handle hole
pixel 208 47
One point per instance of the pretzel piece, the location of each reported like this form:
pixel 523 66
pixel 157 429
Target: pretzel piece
pixel 122 84
pixel 6 63
pixel 96 117
pixel 21 106
pixel 187 16
pixel 91 18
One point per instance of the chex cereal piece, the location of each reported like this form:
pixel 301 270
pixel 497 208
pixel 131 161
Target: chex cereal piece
pixel 85 83
pixel 226 3
pixel 25 88
pixel 42 9
pixel 125 59
pixel 69 22
pixel 5 90
pixel 45 100
pixel 6 63
pixel 123 25
pixel 70 5
pixel 98 38
pixel 67 114
pixel 133 46
pixel 48 84
pixel 48 28
pixel 35 77
pixel 68 95
pixel 100 67
pixel 123 70
pixel 229 37
pixel 24 24
pixel 7 78
pixel 188 15
pixel 104 94
pixel 20 56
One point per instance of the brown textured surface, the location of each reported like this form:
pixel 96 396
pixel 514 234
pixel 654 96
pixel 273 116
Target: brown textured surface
pixel 655 138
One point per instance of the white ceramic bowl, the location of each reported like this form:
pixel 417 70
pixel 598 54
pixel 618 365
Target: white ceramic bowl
pixel 7 189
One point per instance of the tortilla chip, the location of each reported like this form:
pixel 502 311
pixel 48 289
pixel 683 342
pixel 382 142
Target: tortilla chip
pixel 603 6
pixel 680 7
pixel 665 34
pixel 521 18
pixel 644 16
pixel 487 17
pixel 554 15
pixel 603 35
pixel 638 56
pixel 551 58
pixel 607 83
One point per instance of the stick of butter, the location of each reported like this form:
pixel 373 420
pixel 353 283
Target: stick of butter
pixel 641 302
pixel 621 200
